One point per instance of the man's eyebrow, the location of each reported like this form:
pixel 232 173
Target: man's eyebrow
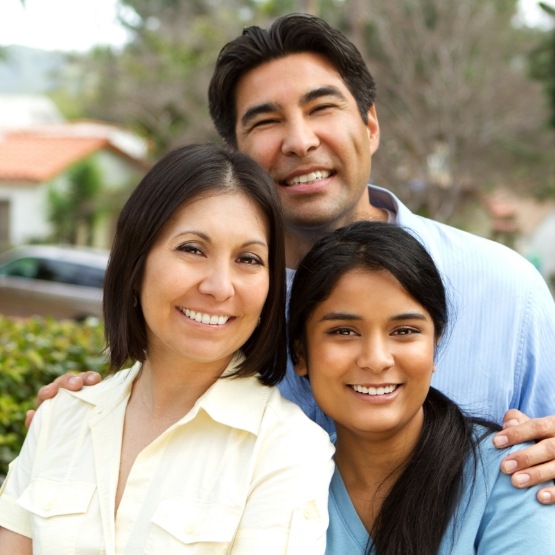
pixel 254 111
pixel 268 107
pixel 328 90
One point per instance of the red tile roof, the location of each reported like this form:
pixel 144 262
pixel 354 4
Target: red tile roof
pixel 37 158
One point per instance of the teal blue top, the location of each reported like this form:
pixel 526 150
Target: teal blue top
pixel 495 517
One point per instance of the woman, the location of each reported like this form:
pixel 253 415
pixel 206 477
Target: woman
pixel 413 474
pixel 191 450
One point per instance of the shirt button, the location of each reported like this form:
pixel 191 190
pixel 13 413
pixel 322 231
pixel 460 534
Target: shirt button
pixel 190 529
pixel 48 505
pixel 308 514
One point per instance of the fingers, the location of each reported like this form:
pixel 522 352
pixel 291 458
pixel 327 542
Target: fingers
pixel 531 466
pixel 529 430
pixel 514 417
pixel 73 382
pixel 29 418
pixel 546 496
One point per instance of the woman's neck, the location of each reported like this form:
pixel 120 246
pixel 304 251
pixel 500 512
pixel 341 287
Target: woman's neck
pixel 173 387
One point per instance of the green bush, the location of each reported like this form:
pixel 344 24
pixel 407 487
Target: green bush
pixel 33 352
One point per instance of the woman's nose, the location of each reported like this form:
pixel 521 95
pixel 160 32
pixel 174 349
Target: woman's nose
pixel 218 283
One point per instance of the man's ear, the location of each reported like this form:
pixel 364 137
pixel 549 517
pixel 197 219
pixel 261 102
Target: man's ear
pixel 300 364
pixel 373 129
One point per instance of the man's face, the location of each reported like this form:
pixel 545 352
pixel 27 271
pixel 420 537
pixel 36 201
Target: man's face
pixel 297 118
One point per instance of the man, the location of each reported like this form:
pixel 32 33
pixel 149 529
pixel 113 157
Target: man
pixel 299 99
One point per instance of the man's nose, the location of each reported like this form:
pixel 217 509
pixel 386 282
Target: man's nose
pixel 300 138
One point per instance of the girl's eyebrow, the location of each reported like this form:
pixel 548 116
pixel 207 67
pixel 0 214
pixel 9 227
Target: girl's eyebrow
pixel 340 316
pixel 408 316
pixel 355 317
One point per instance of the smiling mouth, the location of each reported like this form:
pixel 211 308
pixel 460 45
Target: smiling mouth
pixel 204 317
pixel 307 178
pixel 374 391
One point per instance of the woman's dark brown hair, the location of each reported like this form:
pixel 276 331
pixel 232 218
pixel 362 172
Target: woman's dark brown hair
pixel 176 180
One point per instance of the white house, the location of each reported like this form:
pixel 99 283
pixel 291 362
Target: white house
pixel 34 159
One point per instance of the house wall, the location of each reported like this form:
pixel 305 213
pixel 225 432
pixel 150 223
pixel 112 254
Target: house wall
pixel 27 211
pixel 28 204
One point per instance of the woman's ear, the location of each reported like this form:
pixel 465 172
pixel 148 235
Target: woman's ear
pixel 300 364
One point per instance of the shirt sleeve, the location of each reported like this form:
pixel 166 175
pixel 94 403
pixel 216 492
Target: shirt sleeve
pixel 287 507
pixel 537 352
pixel 12 516
pixel 514 522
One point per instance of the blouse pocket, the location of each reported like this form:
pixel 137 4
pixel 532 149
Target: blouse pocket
pixel 48 498
pixel 211 527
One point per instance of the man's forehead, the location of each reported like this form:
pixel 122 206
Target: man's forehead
pixel 299 76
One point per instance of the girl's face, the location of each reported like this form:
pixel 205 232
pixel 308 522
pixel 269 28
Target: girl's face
pixel 206 280
pixel 370 355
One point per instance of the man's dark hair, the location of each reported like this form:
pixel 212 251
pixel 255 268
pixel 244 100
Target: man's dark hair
pixel 289 34
pixel 183 175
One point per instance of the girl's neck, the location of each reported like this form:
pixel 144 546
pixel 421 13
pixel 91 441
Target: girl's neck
pixel 370 464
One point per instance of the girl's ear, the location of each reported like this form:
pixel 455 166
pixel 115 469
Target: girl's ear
pixel 300 366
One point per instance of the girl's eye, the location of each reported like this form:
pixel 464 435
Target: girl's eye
pixel 406 331
pixel 341 331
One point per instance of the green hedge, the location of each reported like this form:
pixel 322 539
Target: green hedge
pixel 32 353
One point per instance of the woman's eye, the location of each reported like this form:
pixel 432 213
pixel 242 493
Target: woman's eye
pixel 193 249
pixel 251 259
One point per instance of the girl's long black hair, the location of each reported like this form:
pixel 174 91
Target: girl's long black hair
pixel 414 515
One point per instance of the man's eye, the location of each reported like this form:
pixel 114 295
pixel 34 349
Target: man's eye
pixel 263 122
pixel 322 107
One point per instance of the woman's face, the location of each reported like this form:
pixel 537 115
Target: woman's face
pixel 370 355
pixel 206 280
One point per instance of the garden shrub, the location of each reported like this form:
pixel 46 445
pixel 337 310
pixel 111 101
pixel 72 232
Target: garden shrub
pixel 33 352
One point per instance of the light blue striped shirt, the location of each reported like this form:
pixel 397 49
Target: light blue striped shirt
pixel 499 350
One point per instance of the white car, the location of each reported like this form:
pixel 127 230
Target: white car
pixel 48 280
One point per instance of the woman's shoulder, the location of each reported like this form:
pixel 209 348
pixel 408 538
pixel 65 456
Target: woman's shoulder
pixel 115 385
pixel 287 420
pixel 488 453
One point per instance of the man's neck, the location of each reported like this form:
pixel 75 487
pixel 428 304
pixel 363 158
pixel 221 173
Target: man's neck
pixel 299 240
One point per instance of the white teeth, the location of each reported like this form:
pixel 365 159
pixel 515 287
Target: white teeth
pixel 374 390
pixel 308 177
pixel 213 319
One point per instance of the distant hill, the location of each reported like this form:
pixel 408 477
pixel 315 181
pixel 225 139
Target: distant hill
pixel 26 70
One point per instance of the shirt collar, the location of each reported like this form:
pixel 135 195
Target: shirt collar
pixel 238 402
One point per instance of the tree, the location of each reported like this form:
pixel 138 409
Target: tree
pixel 453 97
pixel 542 60
pixel 457 109
pixel 73 211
